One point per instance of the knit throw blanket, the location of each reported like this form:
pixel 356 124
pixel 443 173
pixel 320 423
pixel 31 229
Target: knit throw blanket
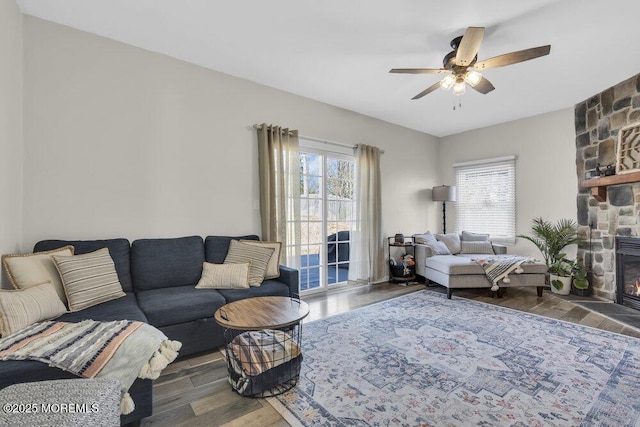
pixel 123 349
pixel 498 267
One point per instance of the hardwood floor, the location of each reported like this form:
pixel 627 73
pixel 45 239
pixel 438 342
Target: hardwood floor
pixel 195 392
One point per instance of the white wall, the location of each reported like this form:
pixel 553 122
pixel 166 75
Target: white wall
pixel 546 182
pixel 10 128
pixel 120 141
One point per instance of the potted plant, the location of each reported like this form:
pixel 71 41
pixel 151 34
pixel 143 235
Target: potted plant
pixel 551 239
pixel 580 283
pixel 560 273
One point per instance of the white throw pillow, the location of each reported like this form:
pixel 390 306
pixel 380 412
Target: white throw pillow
pixel 89 279
pixel 273 267
pixel 224 276
pixel 438 248
pixel 27 270
pixel 452 240
pixel 24 307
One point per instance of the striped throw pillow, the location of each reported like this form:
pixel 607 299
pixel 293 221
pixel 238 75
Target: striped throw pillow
pixel 89 279
pixel 224 276
pixel 24 307
pixel 476 247
pixel 257 256
pixel 273 268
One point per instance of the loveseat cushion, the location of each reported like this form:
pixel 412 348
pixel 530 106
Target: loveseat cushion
pixel 216 247
pixel 179 304
pixel 118 309
pixel 119 250
pixel 162 263
pixel 269 288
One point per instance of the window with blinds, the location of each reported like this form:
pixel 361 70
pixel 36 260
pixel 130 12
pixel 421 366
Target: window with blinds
pixel 486 200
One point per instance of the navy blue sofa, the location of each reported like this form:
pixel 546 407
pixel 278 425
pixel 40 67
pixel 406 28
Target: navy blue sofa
pixel 159 278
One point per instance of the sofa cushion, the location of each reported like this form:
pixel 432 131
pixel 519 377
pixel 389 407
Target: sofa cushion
pixel 125 308
pixel 26 270
pixel 216 247
pixel 89 279
pixel 162 263
pixel 452 240
pixel 179 304
pixel 425 238
pixel 465 264
pixel 269 288
pixel 119 249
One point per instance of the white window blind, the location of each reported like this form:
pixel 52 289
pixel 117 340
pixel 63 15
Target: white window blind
pixel 486 199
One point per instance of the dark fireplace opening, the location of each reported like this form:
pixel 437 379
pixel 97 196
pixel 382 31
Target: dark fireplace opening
pixel 628 271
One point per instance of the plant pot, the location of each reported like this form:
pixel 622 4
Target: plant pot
pixel 560 285
pixel 586 292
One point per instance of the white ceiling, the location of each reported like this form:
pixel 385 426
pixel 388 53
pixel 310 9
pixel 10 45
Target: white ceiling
pixel 340 51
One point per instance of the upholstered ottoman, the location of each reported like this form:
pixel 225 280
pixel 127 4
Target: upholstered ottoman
pixel 74 402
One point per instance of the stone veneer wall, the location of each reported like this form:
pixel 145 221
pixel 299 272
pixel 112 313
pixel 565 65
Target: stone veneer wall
pixel 598 121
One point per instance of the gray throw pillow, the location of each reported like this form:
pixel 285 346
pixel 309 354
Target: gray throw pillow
pixel 438 248
pixel 452 240
pixel 425 238
pixel 257 256
pixel 474 237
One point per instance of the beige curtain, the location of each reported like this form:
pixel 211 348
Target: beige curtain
pixel 367 244
pixel 279 171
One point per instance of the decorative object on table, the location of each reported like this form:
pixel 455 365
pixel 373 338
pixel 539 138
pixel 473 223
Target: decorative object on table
pixel 428 360
pixel 551 239
pixel 627 159
pixel 444 194
pixel 399 238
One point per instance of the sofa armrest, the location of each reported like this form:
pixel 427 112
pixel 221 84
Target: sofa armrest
pixel 499 249
pixel 421 253
pixel 289 276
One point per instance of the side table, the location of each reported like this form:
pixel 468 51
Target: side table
pixel 264 350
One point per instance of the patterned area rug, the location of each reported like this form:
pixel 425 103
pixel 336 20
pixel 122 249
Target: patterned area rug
pixel 423 360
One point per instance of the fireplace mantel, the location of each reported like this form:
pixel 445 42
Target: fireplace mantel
pixel 599 185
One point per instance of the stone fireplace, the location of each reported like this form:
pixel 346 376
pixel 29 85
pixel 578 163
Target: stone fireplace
pixel 598 121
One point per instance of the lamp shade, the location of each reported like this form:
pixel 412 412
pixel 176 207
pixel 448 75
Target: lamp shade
pixel 444 193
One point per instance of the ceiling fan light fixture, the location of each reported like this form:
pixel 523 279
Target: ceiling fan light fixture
pixel 448 82
pixel 472 77
pixel 459 88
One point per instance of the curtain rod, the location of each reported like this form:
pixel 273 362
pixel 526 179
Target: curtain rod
pixel 324 141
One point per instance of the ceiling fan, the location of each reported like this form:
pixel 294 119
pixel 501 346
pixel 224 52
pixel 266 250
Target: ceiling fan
pixel 461 65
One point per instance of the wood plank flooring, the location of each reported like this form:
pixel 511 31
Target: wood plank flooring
pixel 194 391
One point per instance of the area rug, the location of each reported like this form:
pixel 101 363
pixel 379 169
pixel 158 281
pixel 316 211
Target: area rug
pixel 424 360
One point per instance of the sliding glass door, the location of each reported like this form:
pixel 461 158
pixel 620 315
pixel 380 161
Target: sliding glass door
pixel 326 218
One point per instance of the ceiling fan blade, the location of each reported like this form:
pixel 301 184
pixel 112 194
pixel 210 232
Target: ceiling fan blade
pixel 484 86
pixel 419 70
pixel 513 57
pixel 469 46
pixel 427 91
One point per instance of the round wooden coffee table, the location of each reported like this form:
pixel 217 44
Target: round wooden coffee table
pixel 263 351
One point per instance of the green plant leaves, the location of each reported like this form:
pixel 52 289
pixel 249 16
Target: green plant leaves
pixel 557 284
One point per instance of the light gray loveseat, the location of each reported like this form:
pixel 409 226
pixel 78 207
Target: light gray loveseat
pixel 450 260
